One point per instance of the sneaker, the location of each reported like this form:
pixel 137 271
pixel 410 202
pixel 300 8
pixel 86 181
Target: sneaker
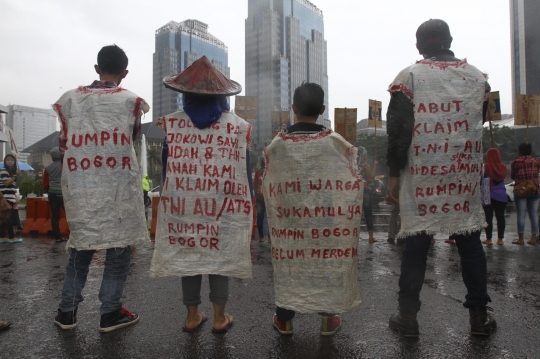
pixel 404 325
pixel 4 240
pixel 284 328
pixel 330 325
pixel 390 240
pixel 481 322
pixel 66 320
pixel 120 318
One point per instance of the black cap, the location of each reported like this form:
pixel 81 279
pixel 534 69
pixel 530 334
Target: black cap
pixel 432 35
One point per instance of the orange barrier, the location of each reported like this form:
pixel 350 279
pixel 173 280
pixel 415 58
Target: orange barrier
pixel 38 218
pixel 155 204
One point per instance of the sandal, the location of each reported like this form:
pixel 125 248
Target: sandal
pixel 226 327
pixel 187 329
pixel 4 324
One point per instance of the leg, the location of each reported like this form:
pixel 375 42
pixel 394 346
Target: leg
pixel 413 270
pixel 521 208
pixel 260 218
pixel 114 278
pixel 367 206
pixel 488 210
pixel 75 279
pixel 532 207
pixel 191 291
pixel 54 202
pixel 219 295
pixel 499 208
pixel 284 315
pixel 9 223
pixel 282 321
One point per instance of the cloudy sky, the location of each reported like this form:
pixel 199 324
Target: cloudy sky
pixel 50 46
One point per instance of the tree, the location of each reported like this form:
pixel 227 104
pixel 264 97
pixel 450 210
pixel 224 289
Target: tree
pixel 37 166
pixel 26 187
pixel 38 187
pixel 153 157
pixel 506 140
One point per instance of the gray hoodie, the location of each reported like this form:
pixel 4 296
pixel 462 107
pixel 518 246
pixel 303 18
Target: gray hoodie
pixel 54 171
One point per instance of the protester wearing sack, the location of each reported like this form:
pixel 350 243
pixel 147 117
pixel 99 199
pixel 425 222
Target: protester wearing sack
pixel 524 172
pixel 205 216
pixel 495 173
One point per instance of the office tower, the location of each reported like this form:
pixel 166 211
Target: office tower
pixel 285 46
pixel 178 45
pixel 525 47
pixel 29 125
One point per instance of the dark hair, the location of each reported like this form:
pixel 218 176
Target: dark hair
pixel 11 169
pixel 309 99
pixel 112 60
pixel 525 149
pixel 433 35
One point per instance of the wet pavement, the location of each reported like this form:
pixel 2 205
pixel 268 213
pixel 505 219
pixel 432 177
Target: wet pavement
pixel 32 273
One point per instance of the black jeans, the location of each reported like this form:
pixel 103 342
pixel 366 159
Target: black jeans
pixel 498 208
pixel 413 270
pixel 56 201
pixel 219 289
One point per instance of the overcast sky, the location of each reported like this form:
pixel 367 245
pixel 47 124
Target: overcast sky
pixel 50 46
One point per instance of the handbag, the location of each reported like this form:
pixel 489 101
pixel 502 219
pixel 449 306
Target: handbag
pixel 526 187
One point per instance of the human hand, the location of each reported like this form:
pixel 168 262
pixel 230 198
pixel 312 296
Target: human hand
pixel 392 194
pixel 18 172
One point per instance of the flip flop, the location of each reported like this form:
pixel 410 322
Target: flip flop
pixel 4 240
pixel 18 240
pixel 4 324
pixel 194 329
pixel 225 328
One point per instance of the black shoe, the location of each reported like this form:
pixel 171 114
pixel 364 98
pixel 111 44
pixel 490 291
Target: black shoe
pixel 120 318
pixel 390 240
pixel 481 322
pixel 66 320
pixel 404 325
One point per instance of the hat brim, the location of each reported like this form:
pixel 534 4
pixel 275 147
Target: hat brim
pixel 234 88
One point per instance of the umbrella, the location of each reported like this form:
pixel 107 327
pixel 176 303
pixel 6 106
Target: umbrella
pixel 22 166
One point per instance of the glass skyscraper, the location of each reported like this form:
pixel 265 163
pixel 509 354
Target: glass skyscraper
pixel 525 41
pixel 178 45
pixel 285 46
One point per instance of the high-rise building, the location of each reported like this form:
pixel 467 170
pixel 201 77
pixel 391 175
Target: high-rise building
pixel 178 45
pixel 525 47
pixel 29 125
pixel 285 46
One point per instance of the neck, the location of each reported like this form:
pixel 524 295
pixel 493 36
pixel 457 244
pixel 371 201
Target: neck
pixel 109 77
pixel 307 119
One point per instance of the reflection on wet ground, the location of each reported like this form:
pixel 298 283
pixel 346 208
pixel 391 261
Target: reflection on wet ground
pixel 32 272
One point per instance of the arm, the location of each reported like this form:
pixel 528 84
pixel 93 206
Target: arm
pixel 248 167
pixel 399 126
pixel 513 170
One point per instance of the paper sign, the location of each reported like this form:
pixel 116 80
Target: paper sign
pixel 375 114
pixel 345 122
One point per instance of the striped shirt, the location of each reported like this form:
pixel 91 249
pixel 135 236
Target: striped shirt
pixel 9 192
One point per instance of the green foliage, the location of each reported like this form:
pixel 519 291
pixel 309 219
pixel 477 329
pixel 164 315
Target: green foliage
pixel 376 147
pixel 38 187
pixel 506 140
pixel 26 187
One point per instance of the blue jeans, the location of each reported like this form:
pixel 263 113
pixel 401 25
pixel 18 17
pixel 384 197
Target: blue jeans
pixel 527 204
pixel 413 270
pixel 112 285
pixel 56 201
pixel 262 219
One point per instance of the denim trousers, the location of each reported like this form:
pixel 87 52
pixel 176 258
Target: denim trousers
pixel 56 201
pixel 219 289
pixel 497 207
pixel 262 219
pixel 526 205
pixel 413 270
pixel 112 285
pixel 367 207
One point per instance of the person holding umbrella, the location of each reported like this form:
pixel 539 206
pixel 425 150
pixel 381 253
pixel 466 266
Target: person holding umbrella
pixel 8 179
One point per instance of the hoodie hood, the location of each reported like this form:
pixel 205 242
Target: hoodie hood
pixel 55 153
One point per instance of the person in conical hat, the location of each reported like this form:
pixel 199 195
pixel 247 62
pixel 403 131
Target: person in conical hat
pixel 205 218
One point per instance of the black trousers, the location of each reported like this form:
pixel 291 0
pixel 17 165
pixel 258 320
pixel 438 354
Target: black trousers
pixel 498 208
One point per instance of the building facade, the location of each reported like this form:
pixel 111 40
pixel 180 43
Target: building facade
pixel 29 125
pixel 285 46
pixel 178 45
pixel 525 47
